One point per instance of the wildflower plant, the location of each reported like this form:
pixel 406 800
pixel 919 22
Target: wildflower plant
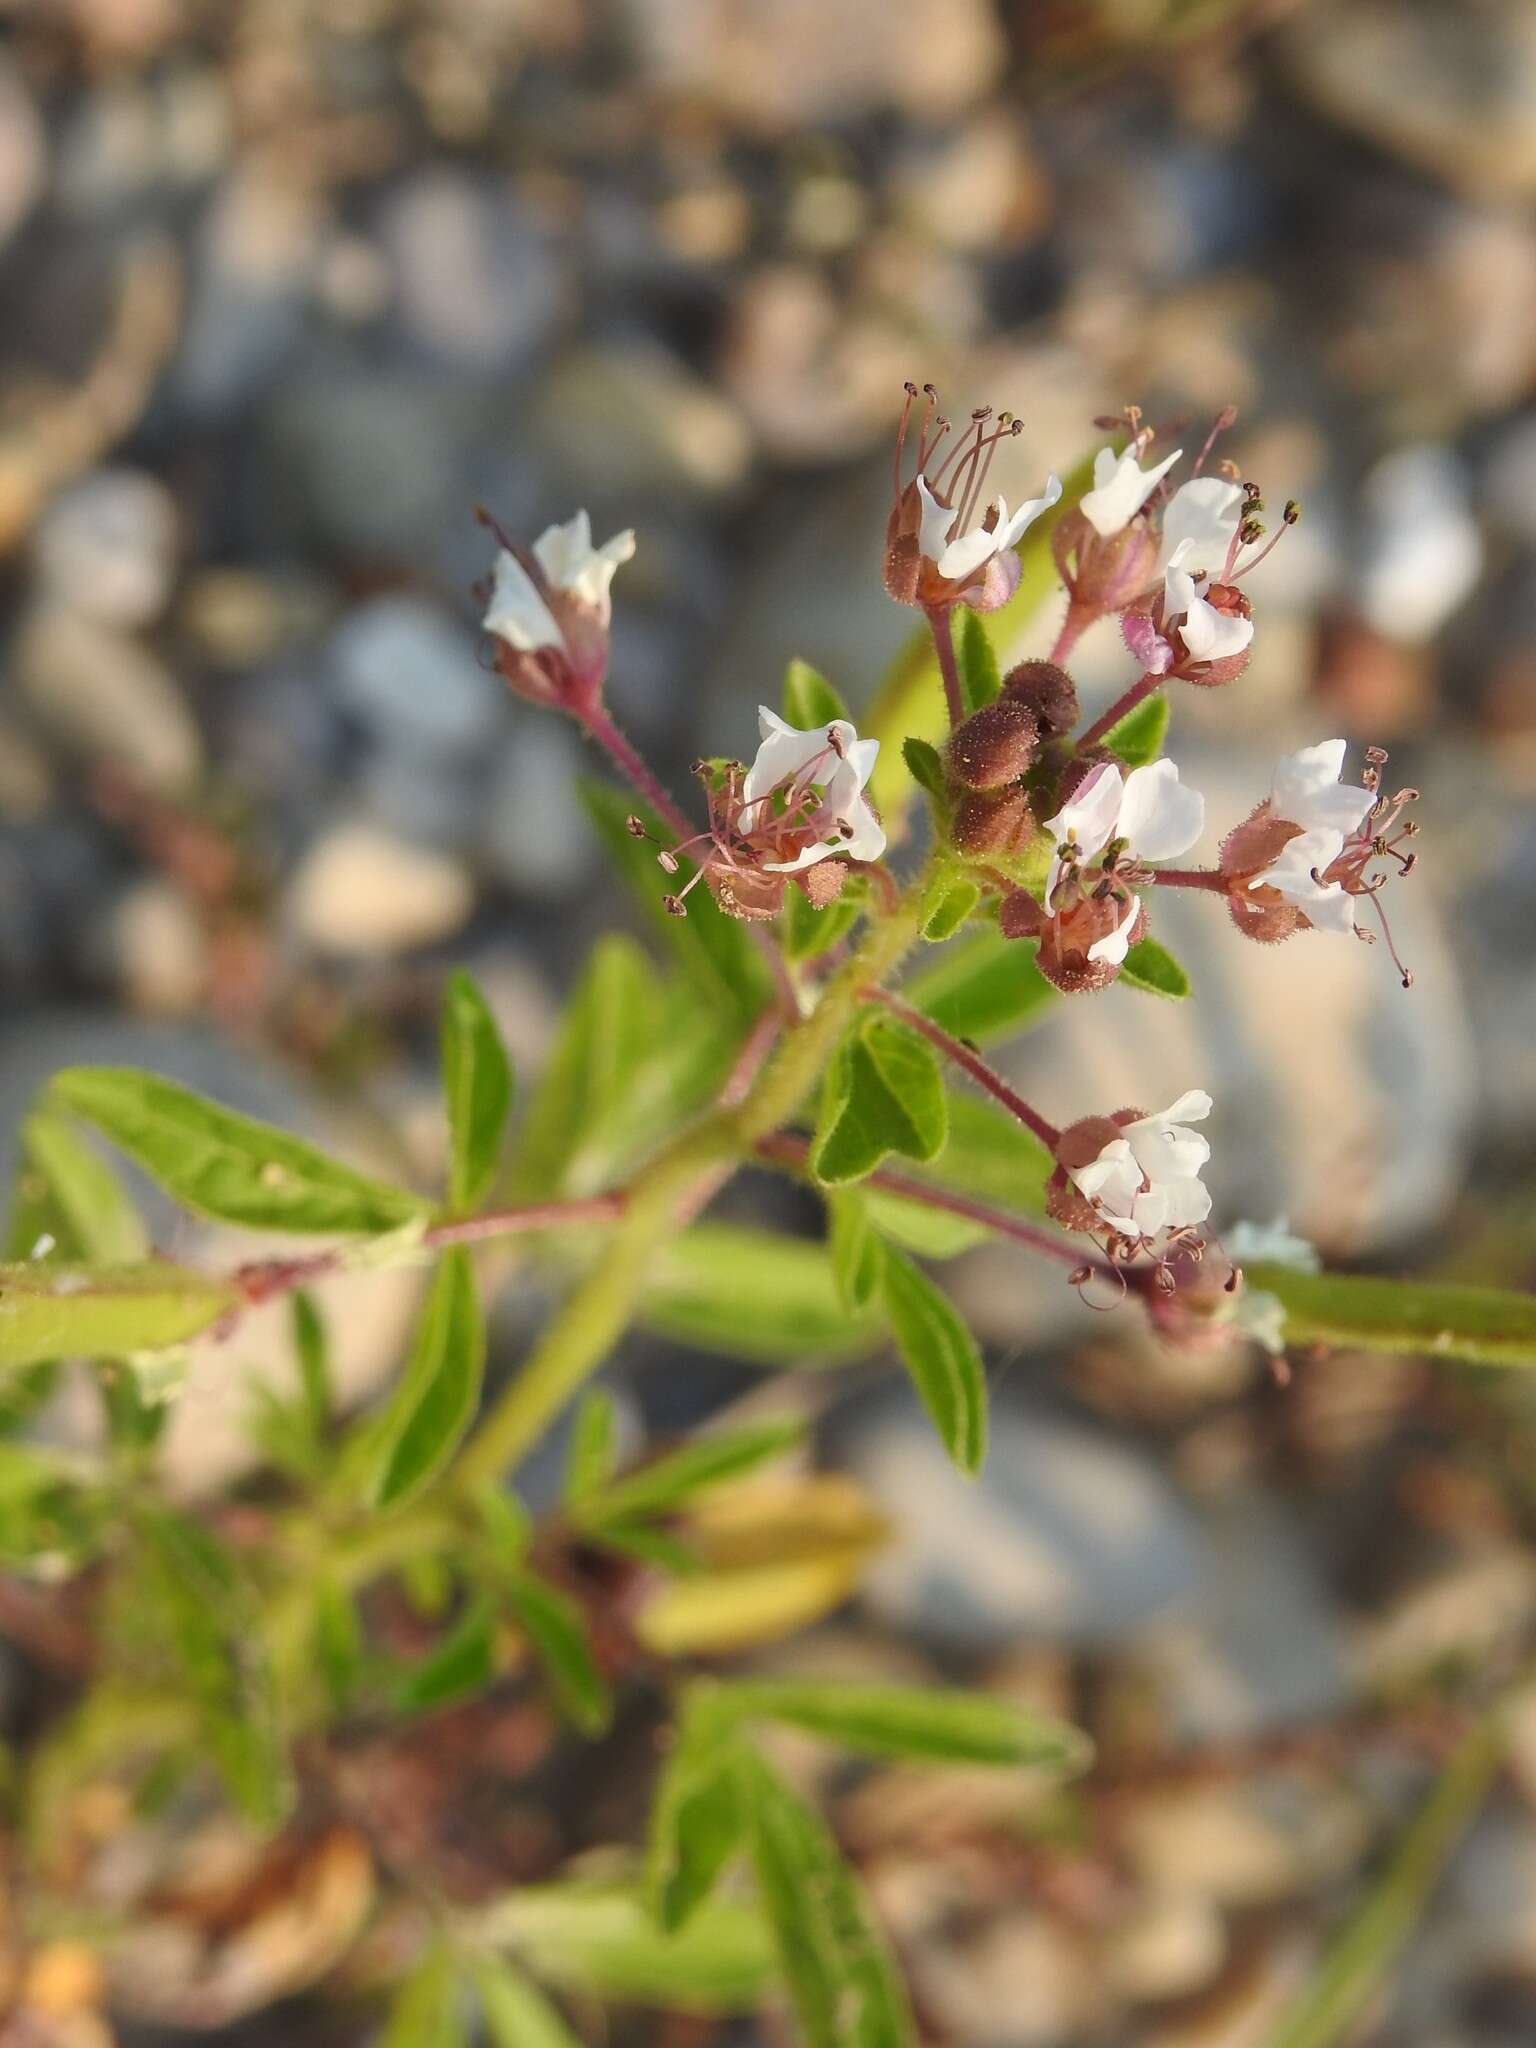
pixel 843 919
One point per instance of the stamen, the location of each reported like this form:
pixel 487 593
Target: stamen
pixel 1223 420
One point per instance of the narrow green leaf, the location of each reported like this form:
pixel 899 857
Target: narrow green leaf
pixel 985 987
pixel 477 1084
pixel 425 2012
pixel 844 1985
pixel 941 1356
pixel 338 1642
pixel 1484 1325
pixel 52 1311
pixel 46 1511
pixel 79 1202
pixel 980 677
pixel 1138 738
pixel 436 1400
pixel 717 952
pixel 809 699
pixel 601 1939
pixel 313 1355
pixel 884 1093
pixel 704 1461
pixel 504 1522
pixel 214 1626
pixel 930 1722
pixel 925 764
pixel 1151 966
pixel 990 1155
pixel 918 1227
pixel 806 932
pixel 947 907
pixel 855 1248
pixel 593 1453
pixel 225 1165
pixel 461 1664
pixel 697 1822
pixel 556 1627
pixel 750 1294
pixel 515 2011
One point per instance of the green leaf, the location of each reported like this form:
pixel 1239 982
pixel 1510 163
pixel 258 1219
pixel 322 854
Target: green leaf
pixel 697 1822
pixel 313 1354
pixel 556 1627
pixel 917 1227
pixel 228 1166
pixel 941 1356
pixel 69 1193
pixel 338 1642
pixel 50 1311
pixel 1152 967
pixel 704 1461
pixel 980 677
pixel 436 1400
pixel 930 1722
pixel 925 764
pixel 806 932
pixel 214 1626
pixel 883 1093
pixel 809 699
pixel 844 1986
pixel 45 1509
pixel 425 2012
pixel 461 1664
pixel 593 1453
pixel 717 952
pixel 477 1083
pixel 990 1155
pixel 515 2011
pixel 985 987
pixel 1484 1325
pixel 947 906
pixel 750 1294
pixel 601 1939
pixel 855 1249
pixel 1138 738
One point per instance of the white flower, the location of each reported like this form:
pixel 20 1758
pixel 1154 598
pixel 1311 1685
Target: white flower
pixel 832 759
pixel 1121 487
pixel 1208 635
pixel 570 562
pixel 1150 811
pixel 1307 792
pixel 519 612
pixel 959 560
pixel 1148 1179
pixel 1272 1244
pixel 1260 1317
pixel 1200 523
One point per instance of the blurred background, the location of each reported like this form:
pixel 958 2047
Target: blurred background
pixel 290 286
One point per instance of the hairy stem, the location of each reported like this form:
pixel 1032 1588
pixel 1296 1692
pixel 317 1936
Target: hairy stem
pixel 969 1062
pixel 598 726
pixel 1191 878
pixel 944 647
pixel 1121 708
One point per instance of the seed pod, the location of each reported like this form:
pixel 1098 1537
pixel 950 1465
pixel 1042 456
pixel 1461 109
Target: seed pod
pixel 992 821
pixel 994 745
pixel 1047 691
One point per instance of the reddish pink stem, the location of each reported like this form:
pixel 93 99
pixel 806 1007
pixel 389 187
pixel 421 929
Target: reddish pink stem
pixel 970 1063
pixel 600 727
pixel 1121 708
pixel 1191 878
pixel 944 647
pixel 1073 627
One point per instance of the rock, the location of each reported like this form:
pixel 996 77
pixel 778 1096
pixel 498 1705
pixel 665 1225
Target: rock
pixel 359 892
pixel 1023 1980
pixel 1244 1842
pixel 409 675
pixel 441 804
pixel 477 283
pixel 23 152
pixel 161 949
pixel 816 383
pixel 537 836
pixel 623 421
pixel 1067 1534
pixel 1172 1946
pixel 1422 552
pixel 108 698
pixel 26 780
pixel 106 548
pixel 978 188
pixel 257 254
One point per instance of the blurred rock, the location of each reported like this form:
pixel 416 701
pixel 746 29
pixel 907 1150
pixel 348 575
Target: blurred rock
pixel 360 892
pixel 108 698
pixel 1244 1842
pixel 23 152
pixel 106 547
pixel 1067 1533
pixel 258 250
pixel 1421 552
pixel 477 283
pixel 409 674
pixel 436 803
pixel 161 950
pixel 817 384
pixel 538 839
pixel 620 421
pixel 1022 1980
pixel 1168 1949
pixel 26 780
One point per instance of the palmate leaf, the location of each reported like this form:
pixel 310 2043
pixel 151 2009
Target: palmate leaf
pixel 883 1093
pixel 477 1084
pixel 1480 1325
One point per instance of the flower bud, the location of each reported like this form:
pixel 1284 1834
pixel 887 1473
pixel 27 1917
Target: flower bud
pixel 993 821
pixel 994 745
pixel 1048 692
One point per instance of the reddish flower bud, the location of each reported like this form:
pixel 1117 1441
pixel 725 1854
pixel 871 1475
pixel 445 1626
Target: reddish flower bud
pixel 993 821
pixel 1048 692
pixel 995 745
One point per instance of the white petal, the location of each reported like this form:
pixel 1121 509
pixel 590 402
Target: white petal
pixel 1260 1317
pixel 1295 869
pixel 1110 1181
pixel 1199 523
pixel 1010 530
pixel 861 757
pixel 1211 635
pixel 1121 487
pixel 1273 1244
pixel 785 752
pixel 1192 1107
pixel 1160 816
pixel 937 519
pixel 961 558
pixel 1090 816
pixel 807 857
pixel 1307 790
pixel 1179 592
pixel 570 562
pixel 1332 909
pixel 1114 945
pixel 517 613
pixel 868 841
pixel 1187 1202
